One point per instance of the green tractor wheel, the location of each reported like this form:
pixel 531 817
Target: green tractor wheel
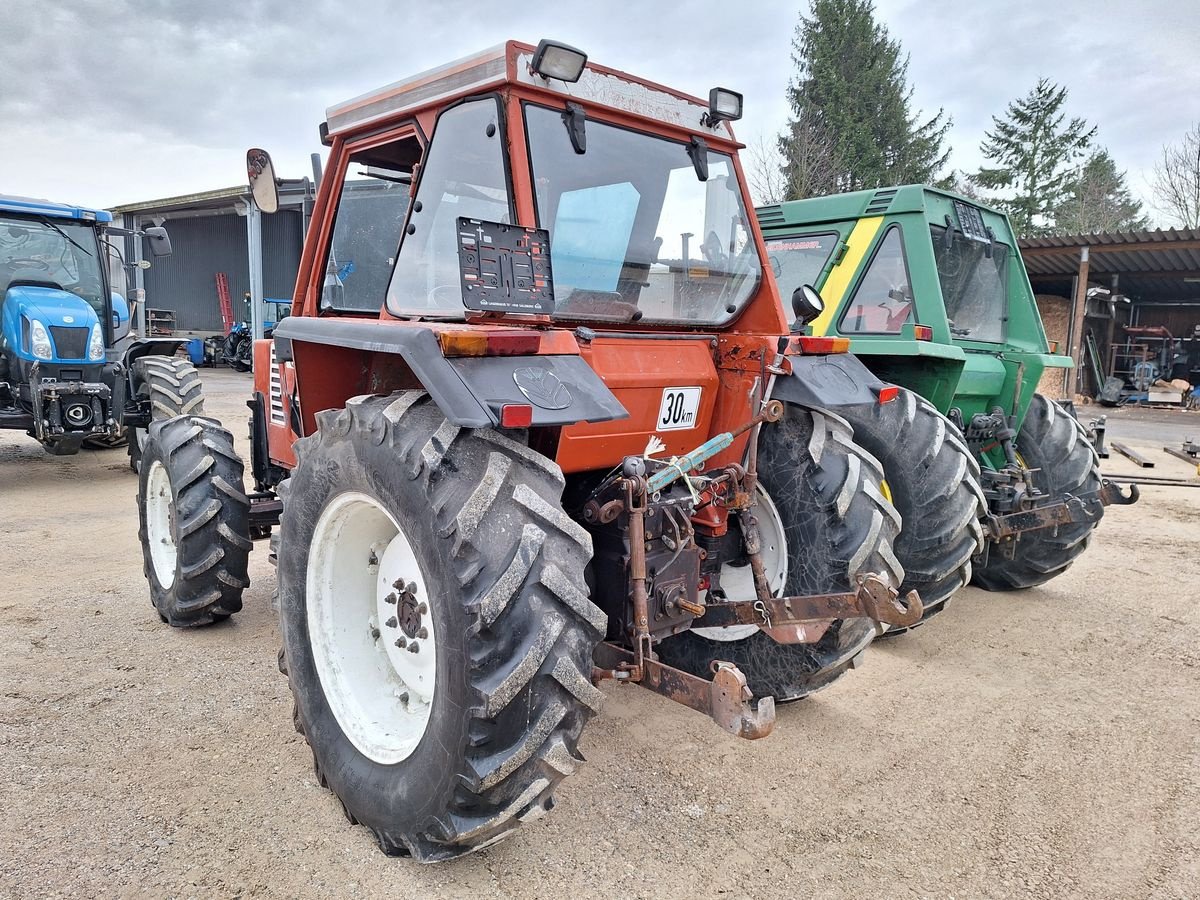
pixel 933 480
pixel 1055 446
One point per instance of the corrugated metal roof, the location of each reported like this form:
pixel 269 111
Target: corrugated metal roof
pixel 1156 265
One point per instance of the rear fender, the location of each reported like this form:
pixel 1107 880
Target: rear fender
pixel 827 382
pixel 336 359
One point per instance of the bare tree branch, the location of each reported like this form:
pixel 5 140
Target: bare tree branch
pixel 765 171
pixel 1177 180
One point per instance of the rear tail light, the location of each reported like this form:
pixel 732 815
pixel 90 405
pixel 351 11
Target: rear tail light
pixel 489 343
pixel 887 393
pixel 516 415
pixel 823 345
pixel 923 332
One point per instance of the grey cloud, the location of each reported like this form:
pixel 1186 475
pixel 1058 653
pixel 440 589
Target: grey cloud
pixel 106 101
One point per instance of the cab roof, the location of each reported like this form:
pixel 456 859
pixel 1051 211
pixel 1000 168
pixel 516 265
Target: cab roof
pixel 509 64
pixel 907 198
pixel 33 207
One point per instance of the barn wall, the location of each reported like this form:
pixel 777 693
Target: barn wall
pixel 185 281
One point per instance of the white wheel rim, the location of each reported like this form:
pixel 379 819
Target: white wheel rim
pixel 362 628
pixel 738 581
pixel 160 515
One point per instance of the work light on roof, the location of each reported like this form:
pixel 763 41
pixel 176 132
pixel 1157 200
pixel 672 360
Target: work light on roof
pixel 723 105
pixel 559 61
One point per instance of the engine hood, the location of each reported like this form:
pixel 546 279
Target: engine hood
pixel 53 307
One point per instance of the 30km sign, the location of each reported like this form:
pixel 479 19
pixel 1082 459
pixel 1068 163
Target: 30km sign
pixel 679 408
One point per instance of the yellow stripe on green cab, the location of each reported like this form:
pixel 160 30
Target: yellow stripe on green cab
pixel 834 290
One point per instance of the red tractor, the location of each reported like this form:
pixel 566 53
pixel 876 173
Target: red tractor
pixel 536 421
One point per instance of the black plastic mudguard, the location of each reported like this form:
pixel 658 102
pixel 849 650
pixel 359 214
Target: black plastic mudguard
pixel 151 347
pixel 469 391
pixel 827 382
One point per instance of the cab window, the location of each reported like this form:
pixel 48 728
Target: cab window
pixel 366 231
pixel 883 300
pixel 799 260
pixel 463 175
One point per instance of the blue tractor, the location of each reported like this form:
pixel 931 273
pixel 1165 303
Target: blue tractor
pixel 70 372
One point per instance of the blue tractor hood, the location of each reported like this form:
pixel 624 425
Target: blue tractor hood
pixel 54 308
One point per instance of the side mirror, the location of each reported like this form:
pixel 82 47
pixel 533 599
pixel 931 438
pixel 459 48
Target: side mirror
pixel 158 239
pixel 806 305
pixel 261 172
pixel 122 318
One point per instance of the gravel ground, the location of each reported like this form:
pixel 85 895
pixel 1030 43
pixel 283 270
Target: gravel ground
pixel 1037 744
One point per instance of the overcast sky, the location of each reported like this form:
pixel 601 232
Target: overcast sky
pixel 104 102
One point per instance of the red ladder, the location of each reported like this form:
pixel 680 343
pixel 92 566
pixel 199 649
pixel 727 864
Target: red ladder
pixel 226 303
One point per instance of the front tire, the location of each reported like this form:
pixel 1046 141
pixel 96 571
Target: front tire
pixel 470 522
pixel 933 480
pixel 194 520
pixel 1052 443
pixel 172 388
pixel 836 525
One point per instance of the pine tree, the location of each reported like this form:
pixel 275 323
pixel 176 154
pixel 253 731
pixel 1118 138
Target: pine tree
pixel 1098 200
pixel 1032 153
pixel 852 126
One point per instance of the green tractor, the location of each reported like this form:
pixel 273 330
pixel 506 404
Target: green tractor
pixel 997 484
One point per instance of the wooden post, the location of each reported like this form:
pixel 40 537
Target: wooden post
pixel 1077 321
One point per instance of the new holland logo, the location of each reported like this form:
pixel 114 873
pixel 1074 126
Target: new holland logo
pixel 542 387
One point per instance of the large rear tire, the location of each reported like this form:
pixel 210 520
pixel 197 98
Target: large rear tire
pixel 933 480
pixel 836 525
pixel 172 388
pixel 194 521
pixel 1052 443
pixel 445 751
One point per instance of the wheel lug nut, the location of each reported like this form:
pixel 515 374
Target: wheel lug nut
pixel 414 647
pixel 423 633
pixel 401 642
pixel 391 623
pixel 412 588
pixel 404 697
pixel 390 598
pixel 422 608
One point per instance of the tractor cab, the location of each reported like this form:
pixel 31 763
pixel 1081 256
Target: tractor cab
pixel 928 286
pixel 61 324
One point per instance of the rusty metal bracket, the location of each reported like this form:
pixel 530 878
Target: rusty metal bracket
pixel 874 599
pixel 1110 494
pixel 726 699
pixel 1083 508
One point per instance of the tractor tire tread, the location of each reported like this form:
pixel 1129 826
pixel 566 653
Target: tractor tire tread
pixel 212 525
pixel 520 562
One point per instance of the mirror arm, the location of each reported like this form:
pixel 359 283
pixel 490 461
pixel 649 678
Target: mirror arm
pixel 698 151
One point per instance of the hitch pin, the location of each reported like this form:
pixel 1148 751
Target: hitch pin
pixel 761 609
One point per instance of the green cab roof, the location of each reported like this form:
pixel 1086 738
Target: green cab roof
pixel 909 198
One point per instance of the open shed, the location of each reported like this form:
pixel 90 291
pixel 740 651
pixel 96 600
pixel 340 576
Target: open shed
pixel 217 232
pixel 1120 300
